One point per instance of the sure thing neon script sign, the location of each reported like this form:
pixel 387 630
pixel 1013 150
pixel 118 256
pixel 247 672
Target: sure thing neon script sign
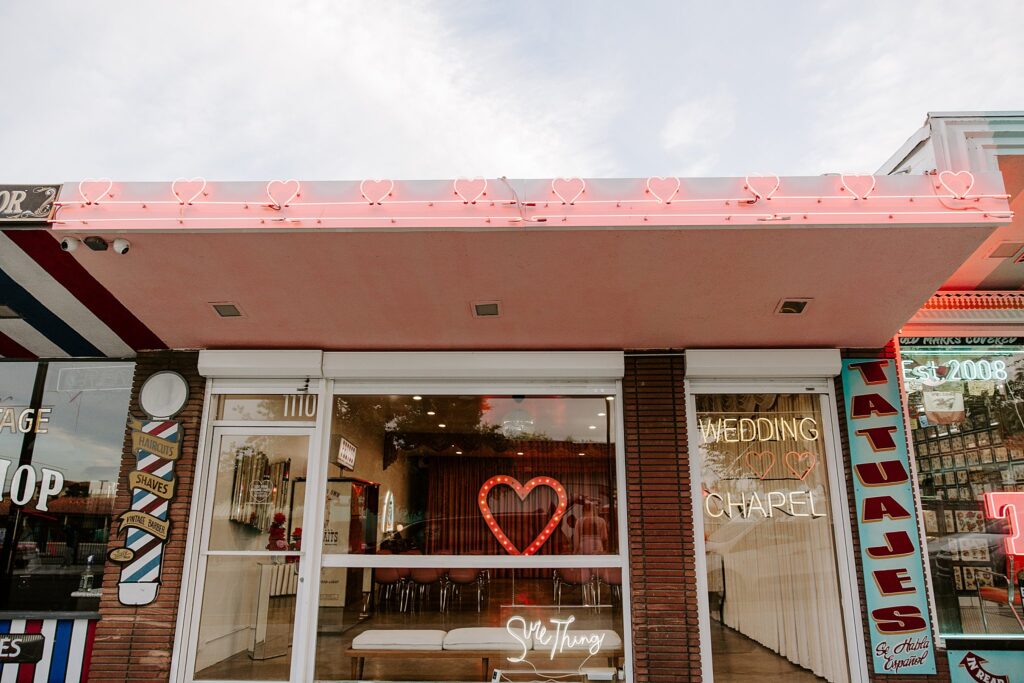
pixel 555 637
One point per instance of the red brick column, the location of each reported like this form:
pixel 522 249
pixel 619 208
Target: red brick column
pixel 662 573
pixel 134 643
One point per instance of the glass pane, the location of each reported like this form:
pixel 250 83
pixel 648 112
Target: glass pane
pixel 471 475
pixel 260 489
pixel 16 382
pixel 771 568
pixel 447 624
pixel 247 619
pixel 267 407
pixel 968 435
pixel 63 528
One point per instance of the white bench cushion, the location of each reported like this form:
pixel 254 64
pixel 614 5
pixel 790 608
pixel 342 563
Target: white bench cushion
pixel 612 640
pixel 399 639
pixel 482 638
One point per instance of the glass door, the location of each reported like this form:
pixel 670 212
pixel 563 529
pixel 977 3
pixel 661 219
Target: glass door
pixel 773 587
pixel 252 556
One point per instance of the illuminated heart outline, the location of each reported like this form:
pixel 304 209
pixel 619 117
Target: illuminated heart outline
pixel 760 458
pixel 847 177
pixel 562 197
pixel 465 196
pixel 794 455
pixel 189 181
pixel 522 490
pixel 378 181
pixel 951 174
pixel 660 178
pixel 270 192
pixel 88 181
pixel 758 194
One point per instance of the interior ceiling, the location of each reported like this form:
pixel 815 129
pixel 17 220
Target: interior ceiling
pixel 980 271
pixel 583 289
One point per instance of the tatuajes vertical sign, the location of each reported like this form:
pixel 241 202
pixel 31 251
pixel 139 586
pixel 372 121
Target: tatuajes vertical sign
pixel 156 445
pixel 894 586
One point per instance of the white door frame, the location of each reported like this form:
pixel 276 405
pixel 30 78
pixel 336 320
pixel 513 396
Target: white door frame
pixel 842 532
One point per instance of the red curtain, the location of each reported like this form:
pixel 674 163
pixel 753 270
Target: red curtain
pixel 458 525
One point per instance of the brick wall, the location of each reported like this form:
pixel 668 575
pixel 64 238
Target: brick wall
pixel 134 643
pixel 666 639
pixel 941 661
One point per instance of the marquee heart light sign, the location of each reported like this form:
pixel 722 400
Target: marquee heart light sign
pixel 522 490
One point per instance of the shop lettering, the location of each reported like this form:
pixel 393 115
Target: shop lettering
pixel 555 637
pixel 10 649
pixel 21 648
pixel 24 420
pixel 905 653
pixel 24 480
pixel 746 429
pixel 792 503
pixel 891 552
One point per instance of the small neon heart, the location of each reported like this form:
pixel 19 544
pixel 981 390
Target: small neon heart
pixel 183 187
pixel 568 190
pixel 376 191
pixel 522 490
pixel 88 189
pixel 663 188
pixel 276 188
pixel 762 186
pixel 962 181
pixel 470 189
pixel 760 464
pixel 800 464
pixel 860 186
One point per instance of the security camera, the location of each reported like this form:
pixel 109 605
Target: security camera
pixel 121 245
pixel 69 244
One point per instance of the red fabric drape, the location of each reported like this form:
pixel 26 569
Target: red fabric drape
pixel 454 483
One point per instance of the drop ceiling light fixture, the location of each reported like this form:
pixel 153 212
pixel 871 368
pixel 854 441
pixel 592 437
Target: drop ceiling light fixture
pixel 792 306
pixel 226 309
pixel 486 309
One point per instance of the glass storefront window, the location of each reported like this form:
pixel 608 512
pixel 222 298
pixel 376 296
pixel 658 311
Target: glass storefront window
pixel 967 428
pixel 266 407
pixel 772 577
pixel 59 504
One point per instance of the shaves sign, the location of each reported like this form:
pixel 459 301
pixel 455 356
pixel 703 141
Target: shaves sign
pixel 554 637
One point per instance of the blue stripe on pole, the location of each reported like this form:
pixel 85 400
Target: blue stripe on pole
pixel 61 651
pixel 144 569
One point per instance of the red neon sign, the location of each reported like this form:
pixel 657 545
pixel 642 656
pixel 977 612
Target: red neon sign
pixel 522 490
pixel 1008 505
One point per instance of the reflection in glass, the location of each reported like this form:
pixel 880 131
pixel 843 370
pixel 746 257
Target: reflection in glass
pixel 471 475
pixel 247 618
pixel 260 489
pixel 967 429
pixel 266 407
pixel 460 624
pixel 771 568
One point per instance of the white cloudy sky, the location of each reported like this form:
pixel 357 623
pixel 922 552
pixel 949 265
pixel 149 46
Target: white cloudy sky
pixel 146 90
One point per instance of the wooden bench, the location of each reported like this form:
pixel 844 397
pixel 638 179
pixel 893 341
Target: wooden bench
pixel 359 657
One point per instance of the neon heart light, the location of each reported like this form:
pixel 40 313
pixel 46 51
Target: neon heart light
pixel 522 490
pixel 794 462
pixel 276 187
pixel 860 186
pixel 762 186
pixel 182 187
pixel 374 191
pixel 470 189
pixel 563 188
pixel 963 179
pixel 85 193
pixel 756 462
pixel 662 188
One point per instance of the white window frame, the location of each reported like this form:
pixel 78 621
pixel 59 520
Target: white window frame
pixel 585 373
pixel 846 569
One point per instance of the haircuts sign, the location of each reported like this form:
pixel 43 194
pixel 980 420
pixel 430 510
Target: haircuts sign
pixel 894 587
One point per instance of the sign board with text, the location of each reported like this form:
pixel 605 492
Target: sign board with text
pixel 27 203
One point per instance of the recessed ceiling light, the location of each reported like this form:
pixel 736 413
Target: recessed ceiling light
pixel 442 425
pixel 226 309
pixel 601 414
pixel 417 398
pixel 609 398
pixel 7 313
pixel 458 452
pixel 792 306
pixel 431 412
pixel 582 453
pixel 486 309
pixel 519 452
pixel 592 427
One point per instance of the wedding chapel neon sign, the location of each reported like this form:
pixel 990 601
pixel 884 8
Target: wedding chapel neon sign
pixel 522 490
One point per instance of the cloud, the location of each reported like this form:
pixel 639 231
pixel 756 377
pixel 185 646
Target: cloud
pixel 695 129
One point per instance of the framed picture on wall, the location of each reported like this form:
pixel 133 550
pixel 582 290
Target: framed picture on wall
pixel 974 457
pixel 984 439
pixel 986 455
pixel 970 440
pixel 944 446
pixel 958 578
pixel 947 462
pixel 931 521
pixel 969 581
pixel 959 460
pixel 958 443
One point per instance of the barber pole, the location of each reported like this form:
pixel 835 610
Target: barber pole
pixel 156 444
